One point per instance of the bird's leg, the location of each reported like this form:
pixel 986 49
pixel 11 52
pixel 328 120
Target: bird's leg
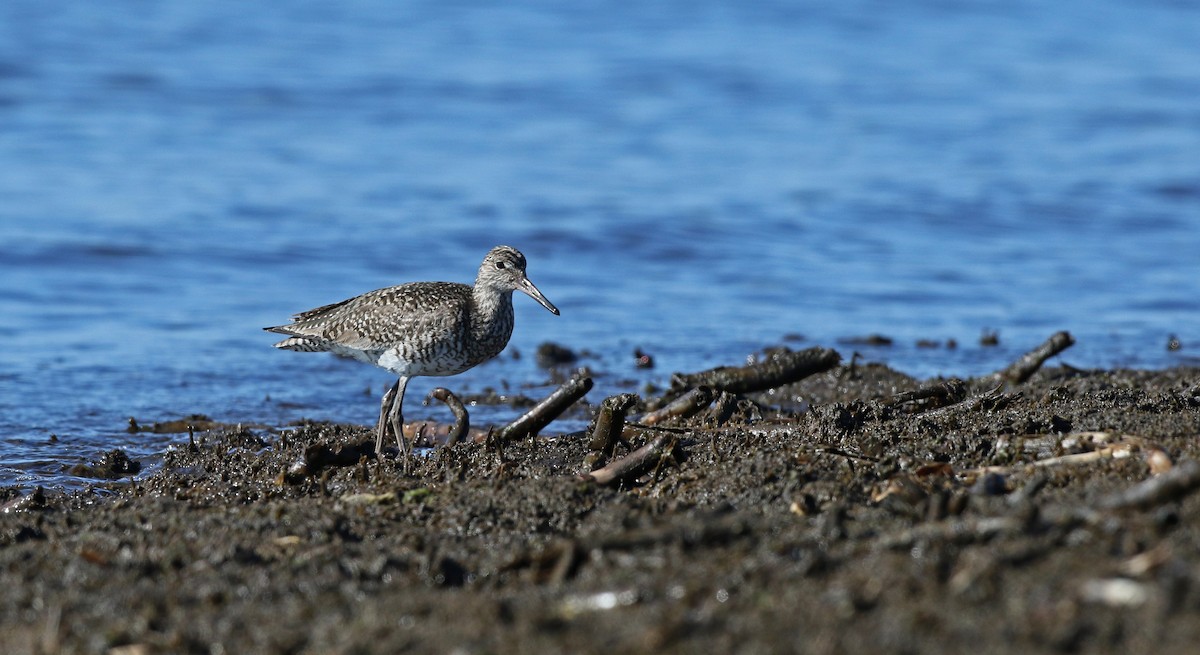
pixel 396 418
pixel 381 428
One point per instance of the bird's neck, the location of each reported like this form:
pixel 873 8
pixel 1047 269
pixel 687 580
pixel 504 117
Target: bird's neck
pixel 493 315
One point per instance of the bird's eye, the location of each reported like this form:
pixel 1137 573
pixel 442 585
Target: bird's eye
pixel 501 265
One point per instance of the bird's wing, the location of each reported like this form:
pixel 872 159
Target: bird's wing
pixel 378 319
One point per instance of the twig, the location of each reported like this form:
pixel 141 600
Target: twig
pixel 1022 369
pixel 682 407
pixel 722 408
pixel 636 463
pixel 942 393
pixel 607 428
pixel 610 421
pixel 546 411
pixel 989 400
pixel 780 369
pixel 462 421
pixel 1106 449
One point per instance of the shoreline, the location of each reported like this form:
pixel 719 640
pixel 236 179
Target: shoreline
pixel 847 515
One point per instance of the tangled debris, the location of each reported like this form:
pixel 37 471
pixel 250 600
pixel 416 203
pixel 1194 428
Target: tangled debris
pixel 842 512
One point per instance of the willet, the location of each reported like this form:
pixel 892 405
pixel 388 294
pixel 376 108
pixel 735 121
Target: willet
pixel 420 328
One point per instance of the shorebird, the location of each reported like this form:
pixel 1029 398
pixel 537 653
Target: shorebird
pixel 419 328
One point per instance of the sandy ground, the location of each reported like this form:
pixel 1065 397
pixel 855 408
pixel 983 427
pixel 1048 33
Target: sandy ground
pixel 825 516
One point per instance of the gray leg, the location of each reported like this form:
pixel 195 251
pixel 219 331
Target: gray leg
pixel 382 426
pixel 396 418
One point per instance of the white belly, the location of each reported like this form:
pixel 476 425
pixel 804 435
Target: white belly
pixel 436 361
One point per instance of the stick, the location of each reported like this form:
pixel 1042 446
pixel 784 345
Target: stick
pixel 636 463
pixel 1022 369
pixel 780 369
pixel 944 393
pixel 610 422
pixel 722 408
pixel 684 406
pixel 546 411
pixel 989 400
pixel 1105 449
pixel 462 421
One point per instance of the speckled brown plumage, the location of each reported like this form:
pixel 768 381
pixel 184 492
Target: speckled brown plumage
pixel 420 328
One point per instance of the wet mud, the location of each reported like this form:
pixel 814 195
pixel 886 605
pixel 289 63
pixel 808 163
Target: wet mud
pixel 854 510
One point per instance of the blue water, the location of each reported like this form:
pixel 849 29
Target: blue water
pixel 694 179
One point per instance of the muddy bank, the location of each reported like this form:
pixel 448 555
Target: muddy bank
pixel 855 510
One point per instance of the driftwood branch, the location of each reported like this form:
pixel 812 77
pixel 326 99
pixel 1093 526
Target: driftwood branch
pixel 987 401
pixel 462 421
pixel 780 369
pixel 1024 368
pixel 723 407
pixel 607 429
pixel 684 406
pixel 1104 445
pixel 610 422
pixel 938 394
pixel 546 411
pixel 636 463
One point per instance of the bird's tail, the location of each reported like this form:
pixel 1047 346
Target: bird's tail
pixel 297 342
pixel 303 344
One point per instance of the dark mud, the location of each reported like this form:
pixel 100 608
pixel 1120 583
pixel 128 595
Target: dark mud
pixel 843 513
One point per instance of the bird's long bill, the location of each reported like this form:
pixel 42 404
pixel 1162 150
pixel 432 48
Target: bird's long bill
pixel 533 292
